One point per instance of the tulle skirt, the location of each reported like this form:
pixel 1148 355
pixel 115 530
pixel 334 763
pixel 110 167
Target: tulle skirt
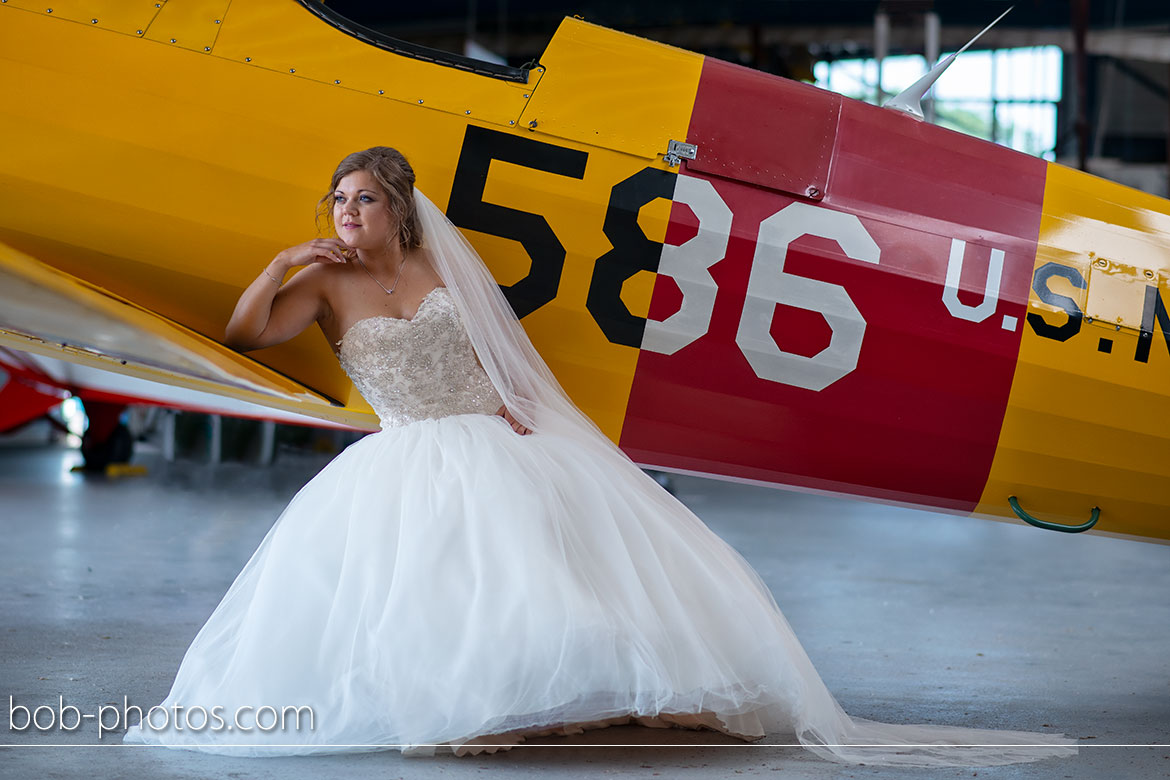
pixel 450 582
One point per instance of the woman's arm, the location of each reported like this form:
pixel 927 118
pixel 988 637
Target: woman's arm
pixel 267 313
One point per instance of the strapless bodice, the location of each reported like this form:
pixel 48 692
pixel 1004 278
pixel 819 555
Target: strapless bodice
pixel 417 369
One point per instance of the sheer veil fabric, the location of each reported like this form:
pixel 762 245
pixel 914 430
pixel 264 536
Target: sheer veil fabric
pixel 789 696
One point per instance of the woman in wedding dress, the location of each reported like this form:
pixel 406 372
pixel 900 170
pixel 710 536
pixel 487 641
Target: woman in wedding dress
pixel 488 566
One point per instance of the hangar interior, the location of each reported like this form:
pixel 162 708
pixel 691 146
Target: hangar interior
pixel 911 616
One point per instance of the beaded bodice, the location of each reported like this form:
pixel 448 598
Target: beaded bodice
pixel 425 367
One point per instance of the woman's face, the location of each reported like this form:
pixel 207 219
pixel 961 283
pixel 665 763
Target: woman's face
pixel 361 213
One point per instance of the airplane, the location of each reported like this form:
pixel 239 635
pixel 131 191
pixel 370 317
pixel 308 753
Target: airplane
pixel 734 274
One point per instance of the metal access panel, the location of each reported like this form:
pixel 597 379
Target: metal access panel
pixel 770 132
pixel 1117 293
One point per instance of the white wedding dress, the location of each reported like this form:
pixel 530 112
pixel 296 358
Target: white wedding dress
pixel 447 582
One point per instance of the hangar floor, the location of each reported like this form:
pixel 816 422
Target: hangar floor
pixel 910 616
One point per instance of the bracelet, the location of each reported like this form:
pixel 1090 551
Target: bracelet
pixel 273 278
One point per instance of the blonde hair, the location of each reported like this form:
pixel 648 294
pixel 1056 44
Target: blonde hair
pixel 391 170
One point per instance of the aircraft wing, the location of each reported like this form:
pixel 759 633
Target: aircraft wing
pixel 48 312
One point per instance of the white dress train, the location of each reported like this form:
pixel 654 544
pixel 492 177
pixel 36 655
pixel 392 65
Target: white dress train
pixel 446 582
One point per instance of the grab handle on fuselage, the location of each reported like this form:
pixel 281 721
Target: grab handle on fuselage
pixel 1068 529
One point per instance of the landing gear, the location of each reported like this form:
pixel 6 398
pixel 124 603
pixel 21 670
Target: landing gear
pixel 107 440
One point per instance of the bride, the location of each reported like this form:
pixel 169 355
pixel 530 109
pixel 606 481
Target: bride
pixel 489 566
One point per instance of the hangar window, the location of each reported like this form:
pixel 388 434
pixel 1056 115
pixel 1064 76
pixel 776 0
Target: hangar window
pixel 1004 95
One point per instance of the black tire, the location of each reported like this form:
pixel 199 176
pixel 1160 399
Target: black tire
pixel 118 447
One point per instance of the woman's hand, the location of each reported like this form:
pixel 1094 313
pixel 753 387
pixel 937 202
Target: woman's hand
pixel 318 250
pixel 516 426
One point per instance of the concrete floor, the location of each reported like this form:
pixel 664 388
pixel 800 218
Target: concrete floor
pixel 910 617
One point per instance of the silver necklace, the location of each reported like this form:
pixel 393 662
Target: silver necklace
pixel 392 287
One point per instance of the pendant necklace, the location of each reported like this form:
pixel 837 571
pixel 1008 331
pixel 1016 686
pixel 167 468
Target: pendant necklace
pixel 391 290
